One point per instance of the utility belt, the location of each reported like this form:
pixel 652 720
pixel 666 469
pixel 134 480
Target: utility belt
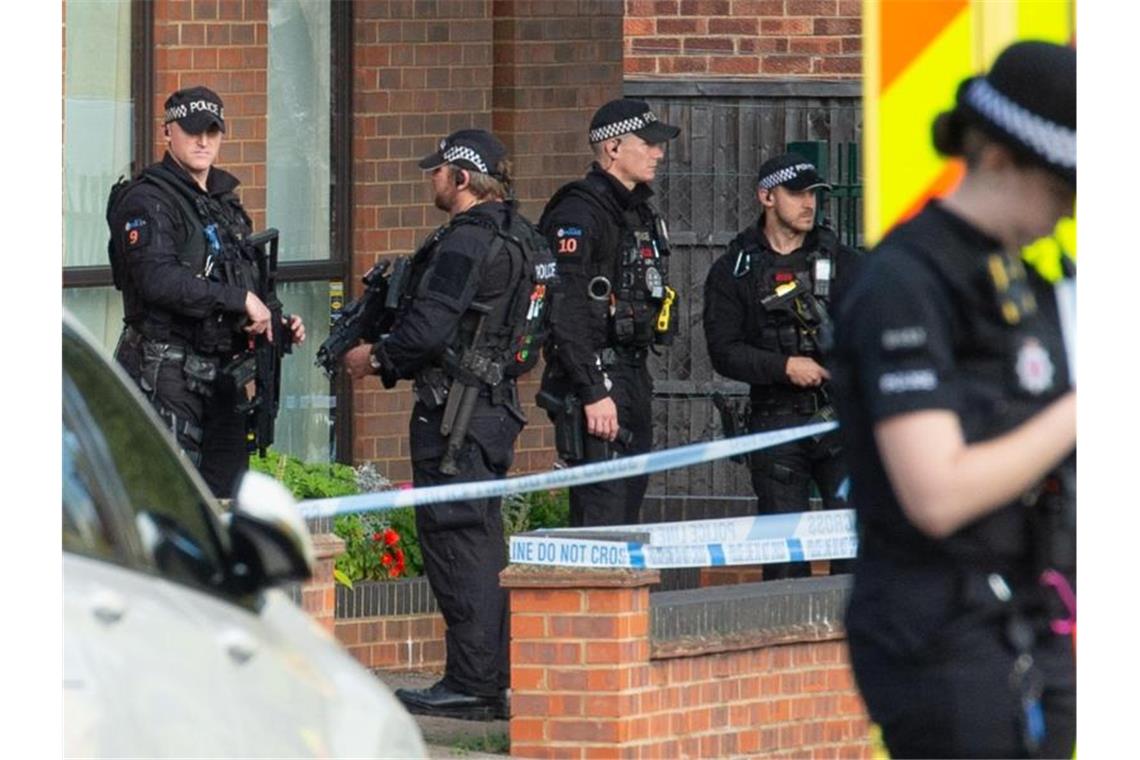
pixel 432 386
pixel 784 404
pixel 200 373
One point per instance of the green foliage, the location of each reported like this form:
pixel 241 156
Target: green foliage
pixel 535 510
pixel 495 743
pixel 363 558
pixel 307 480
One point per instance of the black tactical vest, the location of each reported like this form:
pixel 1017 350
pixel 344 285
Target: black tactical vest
pixel 213 247
pixel 631 290
pixel 790 294
pixel 1011 355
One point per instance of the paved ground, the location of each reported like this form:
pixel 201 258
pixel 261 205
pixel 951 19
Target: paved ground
pixel 450 738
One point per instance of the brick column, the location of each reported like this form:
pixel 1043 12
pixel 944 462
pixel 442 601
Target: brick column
pixel 318 594
pixel 579 660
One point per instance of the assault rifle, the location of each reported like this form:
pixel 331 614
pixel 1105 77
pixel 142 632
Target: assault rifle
pixel 367 317
pixel 470 371
pixel 256 373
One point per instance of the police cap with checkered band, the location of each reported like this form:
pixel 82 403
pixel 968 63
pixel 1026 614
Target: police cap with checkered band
pixel 628 116
pixel 474 149
pixel 1028 101
pixel 196 109
pixel 791 170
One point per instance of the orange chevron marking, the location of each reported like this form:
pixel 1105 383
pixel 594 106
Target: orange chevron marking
pixel 951 173
pixel 907 27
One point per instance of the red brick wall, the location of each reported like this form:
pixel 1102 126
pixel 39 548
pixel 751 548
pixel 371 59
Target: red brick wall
pixel 743 38
pixel 586 681
pixel 221 44
pixel 395 642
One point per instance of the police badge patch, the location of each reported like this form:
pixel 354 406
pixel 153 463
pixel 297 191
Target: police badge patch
pixel 136 232
pixel 1034 367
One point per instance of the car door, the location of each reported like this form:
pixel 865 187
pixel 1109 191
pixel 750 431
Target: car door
pixel 141 675
pixel 173 659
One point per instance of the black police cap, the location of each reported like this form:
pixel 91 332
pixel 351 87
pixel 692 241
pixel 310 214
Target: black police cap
pixel 628 116
pixel 195 109
pixel 474 149
pixel 791 170
pixel 1028 101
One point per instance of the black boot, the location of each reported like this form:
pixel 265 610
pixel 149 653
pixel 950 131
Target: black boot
pixel 442 702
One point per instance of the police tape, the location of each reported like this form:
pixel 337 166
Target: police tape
pixel 624 467
pixel 765 539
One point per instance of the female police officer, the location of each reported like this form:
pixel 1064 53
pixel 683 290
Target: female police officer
pixel 957 406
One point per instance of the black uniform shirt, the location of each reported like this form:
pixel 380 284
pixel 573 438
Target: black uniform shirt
pixel 928 325
pixel 160 289
pixel 586 235
pixel 733 316
pixel 448 276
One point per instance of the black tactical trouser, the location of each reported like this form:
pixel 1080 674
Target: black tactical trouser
pixel 206 428
pixel 463 547
pixel 618 502
pixel 958 701
pixel 782 476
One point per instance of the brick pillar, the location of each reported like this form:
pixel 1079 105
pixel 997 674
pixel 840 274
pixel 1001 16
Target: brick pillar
pixel 318 594
pixel 579 660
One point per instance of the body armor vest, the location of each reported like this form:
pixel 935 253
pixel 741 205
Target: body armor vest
pixel 1011 360
pixel 213 247
pixel 514 325
pixel 631 290
pixel 790 301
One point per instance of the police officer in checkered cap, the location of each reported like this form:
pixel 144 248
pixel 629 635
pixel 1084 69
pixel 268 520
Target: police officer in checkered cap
pixel 959 413
pixel 766 322
pixel 615 306
pixel 177 256
pixel 457 338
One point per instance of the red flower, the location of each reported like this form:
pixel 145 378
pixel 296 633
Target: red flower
pixel 390 537
pixel 377 536
pixel 386 560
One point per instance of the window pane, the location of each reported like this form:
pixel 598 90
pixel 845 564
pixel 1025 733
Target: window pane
pixel 298 150
pixel 171 513
pixel 97 123
pixel 100 310
pixel 305 422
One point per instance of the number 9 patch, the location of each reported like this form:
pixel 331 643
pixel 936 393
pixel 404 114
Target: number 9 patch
pixel 136 232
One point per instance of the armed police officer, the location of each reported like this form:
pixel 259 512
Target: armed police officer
pixel 766 323
pixel 615 304
pixel 180 256
pixel 470 324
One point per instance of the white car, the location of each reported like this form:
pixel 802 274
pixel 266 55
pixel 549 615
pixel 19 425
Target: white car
pixel 175 644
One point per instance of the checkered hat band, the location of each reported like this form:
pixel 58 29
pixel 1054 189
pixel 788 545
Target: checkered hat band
pixel 457 152
pixel 623 127
pixel 1053 142
pixel 786 174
